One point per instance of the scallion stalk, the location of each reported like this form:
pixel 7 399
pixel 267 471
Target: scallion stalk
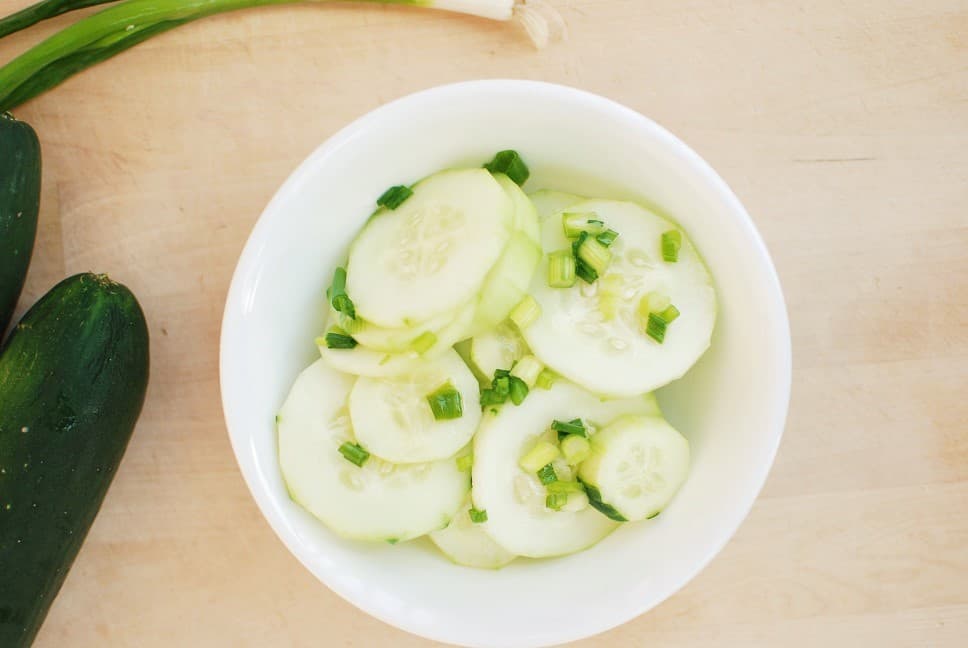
pixel 596 255
pixel 565 487
pixel 542 454
pixel 547 475
pixel 574 223
pixel 42 11
pixel 354 453
pixel 607 237
pixel 575 448
pixel 510 164
pixel 337 294
pixel 574 426
pixel 528 369
pixel 446 403
pixel 525 313
pixel 555 501
pixel 561 269
pixel 545 379
pixel 394 197
pixel 671 242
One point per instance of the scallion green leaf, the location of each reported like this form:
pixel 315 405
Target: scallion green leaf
pixel 594 254
pixel 446 403
pixel 354 453
pixel 337 339
pixel 477 516
pixel 585 272
pixel 510 164
pixel 547 475
pixel 555 501
pixel 671 242
pixel 394 196
pixel 656 327
pixel 337 294
pixel 518 390
pixel 574 426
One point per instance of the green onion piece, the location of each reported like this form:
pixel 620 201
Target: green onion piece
pixel 423 342
pixel 574 426
pixel 491 397
pixel 656 327
pixel 337 339
pixel 477 516
pixel 584 271
pixel 654 515
pixel 354 453
pixel 564 487
pixel 518 390
pixel 574 223
pixel 596 255
pixel 607 237
pixel 465 463
pixel 394 196
pixel 561 269
pixel 501 373
pixel 671 242
pixel 527 369
pixel 547 475
pixel 555 501
pixel 525 313
pixel 545 379
pixel 445 402
pixel 393 541
pixel 654 302
pixel 575 448
pixel 337 294
pixel 510 164
pixel 541 454
pixel 670 314
pixel 502 386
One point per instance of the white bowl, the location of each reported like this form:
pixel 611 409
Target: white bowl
pixel 732 405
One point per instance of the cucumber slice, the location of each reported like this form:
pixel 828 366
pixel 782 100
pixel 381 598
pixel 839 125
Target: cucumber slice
pixel 363 361
pixel 518 519
pixel 395 340
pixel 547 202
pixel 525 215
pixel 637 465
pixel 424 258
pixel 378 501
pixel 498 348
pixel 466 543
pixel 392 419
pixel 593 333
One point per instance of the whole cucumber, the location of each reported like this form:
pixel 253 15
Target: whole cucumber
pixel 73 376
pixel 19 207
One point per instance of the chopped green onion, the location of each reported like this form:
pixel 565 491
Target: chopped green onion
pixel 574 223
pixel 607 237
pixel 671 242
pixel 502 386
pixel 337 294
pixel 656 327
pixel 510 164
pixel 561 269
pixel 527 369
pixel 541 454
pixel 423 342
pixel 545 379
pixel 670 314
pixel 574 426
pixel 518 390
pixel 465 463
pixel 501 373
pixel 555 501
pixel 584 271
pixel 337 339
pixel 547 475
pixel 354 453
pixel 491 397
pixel 445 402
pixel 564 487
pixel 393 541
pixel 654 302
pixel 525 313
pixel 575 448
pixel 596 255
pixel 654 515
pixel 394 196
pixel 477 516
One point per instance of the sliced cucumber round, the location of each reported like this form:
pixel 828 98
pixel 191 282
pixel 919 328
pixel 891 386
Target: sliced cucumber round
pixel 636 466
pixel 378 501
pixel 396 340
pixel 393 420
pixel 594 333
pixel 426 257
pixel 525 215
pixel 496 349
pixel 363 361
pixel 466 543
pixel 547 202
pixel 518 519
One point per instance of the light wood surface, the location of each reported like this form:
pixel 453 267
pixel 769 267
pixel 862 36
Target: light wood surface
pixel 842 125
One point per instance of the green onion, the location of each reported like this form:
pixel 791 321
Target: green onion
pixel 545 379
pixel 502 386
pixel 555 501
pixel 445 402
pixel 607 237
pixel 670 314
pixel 654 302
pixel 574 426
pixel 518 391
pixel 424 342
pixel 525 313
pixel 42 11
pixel 354 453
pixel 574 223
pixel 394 196
pixel 575 448
pixel 510 164
pixel 337 339
pixel 477 516
pixel 491 397
pixel 337 294
pixel 671 242
pixel 561 269
pixel 596 255
pixel 541 454
pixel 584 271
pixel 656 327
pixel 564 487
pixel 547 475
pixel 527 369
pixel 465 463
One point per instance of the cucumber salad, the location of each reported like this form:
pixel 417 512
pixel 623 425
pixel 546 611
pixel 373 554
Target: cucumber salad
pixel 487 369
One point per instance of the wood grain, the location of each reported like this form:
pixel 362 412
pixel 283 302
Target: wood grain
pixel 843 126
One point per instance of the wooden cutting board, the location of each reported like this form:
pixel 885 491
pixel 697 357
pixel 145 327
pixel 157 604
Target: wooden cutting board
pixel 843 126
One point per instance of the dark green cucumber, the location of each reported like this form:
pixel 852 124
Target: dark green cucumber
pixel 19 206
pixel 73 376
